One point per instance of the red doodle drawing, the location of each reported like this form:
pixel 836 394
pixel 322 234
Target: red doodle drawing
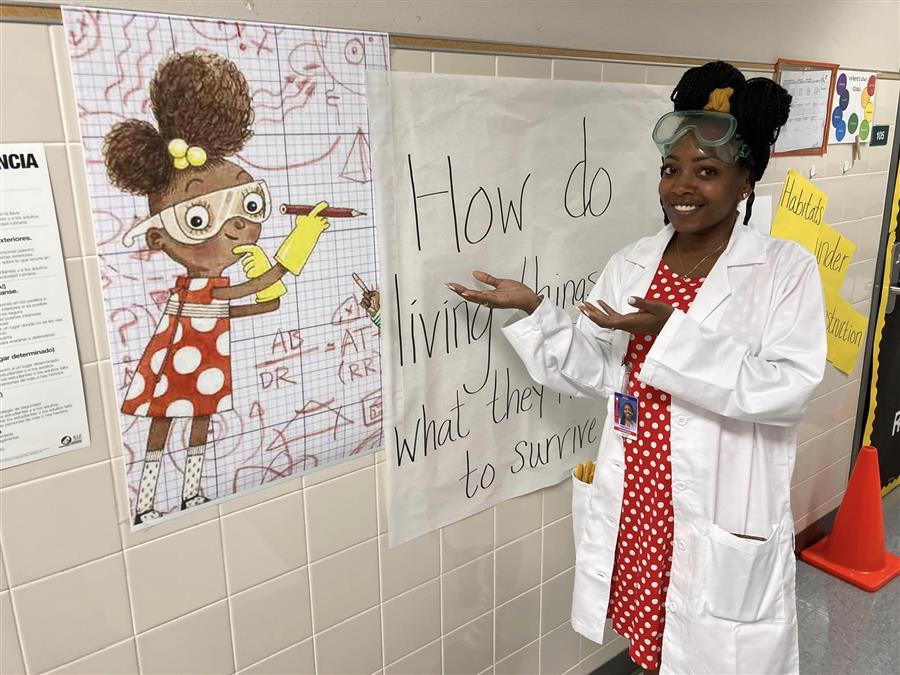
pixel 358 165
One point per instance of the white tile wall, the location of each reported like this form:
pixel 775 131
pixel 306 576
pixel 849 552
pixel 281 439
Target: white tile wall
pixel 118 659
pixel 298 578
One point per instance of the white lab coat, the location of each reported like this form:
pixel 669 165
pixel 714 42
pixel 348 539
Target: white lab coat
pixel 740 366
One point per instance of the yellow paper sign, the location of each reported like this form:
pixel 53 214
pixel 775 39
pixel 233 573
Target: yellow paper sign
pixel 800 212
pixel 833 253
pixel 846 331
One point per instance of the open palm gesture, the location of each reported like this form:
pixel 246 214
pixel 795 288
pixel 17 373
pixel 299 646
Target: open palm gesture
pixel 507 293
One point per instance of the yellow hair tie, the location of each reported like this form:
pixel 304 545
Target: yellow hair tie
pixel 719 100
pixel 185 155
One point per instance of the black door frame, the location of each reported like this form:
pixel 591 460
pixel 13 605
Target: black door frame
pixel 862 405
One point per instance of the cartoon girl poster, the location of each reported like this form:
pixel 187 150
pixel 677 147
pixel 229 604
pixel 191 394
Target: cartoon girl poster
pixel 202 232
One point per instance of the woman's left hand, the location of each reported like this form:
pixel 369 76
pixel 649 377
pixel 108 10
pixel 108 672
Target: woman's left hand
pixel 648 320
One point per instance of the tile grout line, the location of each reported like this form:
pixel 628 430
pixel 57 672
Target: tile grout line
pixel 97 651
pixel 228 608
pixel 277 577
pixel 494 589
pixel 541 579
pixel 12 604
pixel 137 652
pixel 35 479
pixel 827 431
pixel 58 573
pixel 55 57
pixel 380 579
pixel 441 591
pixel 278 653
pixel 415 651
pixel 822 470
pixel 92 308
pixel 312 617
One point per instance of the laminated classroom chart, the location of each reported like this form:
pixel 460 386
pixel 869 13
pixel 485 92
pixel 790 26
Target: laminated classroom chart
pixel 805 127
pixel 296 386
pixel 852 106
pixel 42 408
pixel 537 181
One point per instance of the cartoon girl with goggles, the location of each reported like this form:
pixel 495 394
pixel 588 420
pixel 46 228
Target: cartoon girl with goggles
pixel 206 214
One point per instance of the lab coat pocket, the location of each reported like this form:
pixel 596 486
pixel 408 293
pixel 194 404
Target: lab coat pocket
pixel 581 498
pixel 743 579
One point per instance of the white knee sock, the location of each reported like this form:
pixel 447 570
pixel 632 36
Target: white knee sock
pixel 193 472
pixel 147 489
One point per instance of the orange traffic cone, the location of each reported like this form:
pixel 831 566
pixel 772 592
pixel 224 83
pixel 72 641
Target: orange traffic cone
pixel 854 551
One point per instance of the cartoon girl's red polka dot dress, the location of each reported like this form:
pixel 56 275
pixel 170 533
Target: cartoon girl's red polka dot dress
pixel 644 548
pixel 186 368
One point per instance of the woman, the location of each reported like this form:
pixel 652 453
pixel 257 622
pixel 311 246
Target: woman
pixel 627 416
pixel 684 540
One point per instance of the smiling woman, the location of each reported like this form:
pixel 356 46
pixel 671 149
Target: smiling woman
pixel 685 543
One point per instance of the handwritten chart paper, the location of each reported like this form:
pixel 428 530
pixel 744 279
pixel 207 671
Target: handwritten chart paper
pixel 834 253
pixel 846 331
pixel 800 211
pixel 535 181
pixel 800 217
pixel 305 383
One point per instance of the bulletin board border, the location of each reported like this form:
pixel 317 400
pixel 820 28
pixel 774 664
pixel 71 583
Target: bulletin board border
pixel 52 14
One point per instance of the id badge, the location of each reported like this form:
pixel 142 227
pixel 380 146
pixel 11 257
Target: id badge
pixel 625 416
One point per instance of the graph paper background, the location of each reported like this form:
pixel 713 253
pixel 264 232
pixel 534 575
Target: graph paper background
pixel 306 379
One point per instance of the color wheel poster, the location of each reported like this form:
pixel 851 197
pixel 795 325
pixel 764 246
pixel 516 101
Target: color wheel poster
pixel 231 191
pixel 853 106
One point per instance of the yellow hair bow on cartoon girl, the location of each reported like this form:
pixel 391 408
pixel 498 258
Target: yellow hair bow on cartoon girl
pixel 720 100
pixel 185 155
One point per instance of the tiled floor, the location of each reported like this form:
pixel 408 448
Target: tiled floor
pixel 845 630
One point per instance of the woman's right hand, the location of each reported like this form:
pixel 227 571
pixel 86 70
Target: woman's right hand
pixel 507 294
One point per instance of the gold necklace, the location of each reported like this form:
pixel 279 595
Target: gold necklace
pixel 681 258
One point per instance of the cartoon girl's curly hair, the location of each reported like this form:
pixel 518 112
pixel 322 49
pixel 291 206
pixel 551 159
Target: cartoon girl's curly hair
pixel 197 96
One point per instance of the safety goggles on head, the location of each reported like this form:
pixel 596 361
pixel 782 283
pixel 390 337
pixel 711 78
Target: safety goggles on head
pixel 714 132
pixel 197 219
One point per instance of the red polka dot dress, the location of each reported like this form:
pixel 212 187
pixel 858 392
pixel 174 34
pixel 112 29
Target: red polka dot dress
pixel 186 368
pixel 644 548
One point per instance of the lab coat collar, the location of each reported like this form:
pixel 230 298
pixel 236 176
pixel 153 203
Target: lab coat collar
pixel 746 247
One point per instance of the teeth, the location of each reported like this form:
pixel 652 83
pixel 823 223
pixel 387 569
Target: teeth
pixel 686 208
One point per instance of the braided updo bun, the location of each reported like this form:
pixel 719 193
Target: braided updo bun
pixel 759 105
pixel 199 97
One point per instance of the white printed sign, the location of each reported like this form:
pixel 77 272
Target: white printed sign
pixel 536 181
pixel 42 411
